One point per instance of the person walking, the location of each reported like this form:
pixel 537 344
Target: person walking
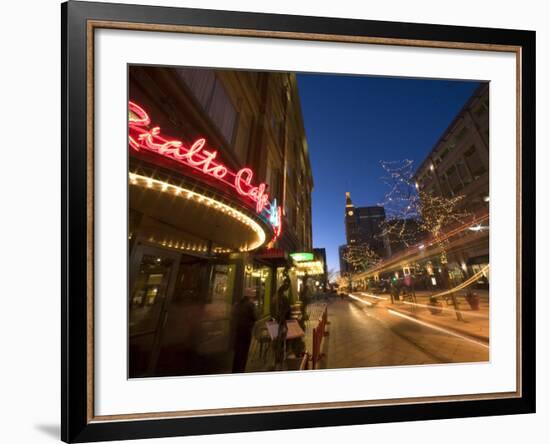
pixel 243 320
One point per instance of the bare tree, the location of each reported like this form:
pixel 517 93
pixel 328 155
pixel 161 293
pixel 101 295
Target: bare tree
pixel 411 213
pixel 432 212
pixel 333 275
pixel 401 205
pixel 361 257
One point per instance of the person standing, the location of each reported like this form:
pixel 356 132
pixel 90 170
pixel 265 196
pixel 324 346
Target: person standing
pixel 243 320
pixel 281 312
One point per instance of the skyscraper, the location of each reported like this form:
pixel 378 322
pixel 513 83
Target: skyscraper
pixel 363 226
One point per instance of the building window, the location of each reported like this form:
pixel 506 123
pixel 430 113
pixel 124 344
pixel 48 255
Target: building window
pixel 222 112
pixel 289 215
pixel 297 219
pixel 454 180
pixel 200 82
pixel 482 109
pixel 444 185
pixel 461 135
pixel 463 172
pixel 291 174
pixel 268 173
pixel 275 183
pixel 473 160
pixel 243 138
pixel 209 91
pixel 443 154
pixel 277 128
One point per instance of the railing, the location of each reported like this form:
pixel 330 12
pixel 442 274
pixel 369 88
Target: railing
pixel 319 333
pixel 305 361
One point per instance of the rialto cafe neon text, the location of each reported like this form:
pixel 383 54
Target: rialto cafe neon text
pixel 144 136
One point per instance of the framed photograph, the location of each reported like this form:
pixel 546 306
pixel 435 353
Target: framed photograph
pixel 276 221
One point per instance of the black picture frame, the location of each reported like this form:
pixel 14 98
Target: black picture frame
pixel 76 423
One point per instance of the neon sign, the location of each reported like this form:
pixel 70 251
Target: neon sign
pixel 196 156
pixel 302 257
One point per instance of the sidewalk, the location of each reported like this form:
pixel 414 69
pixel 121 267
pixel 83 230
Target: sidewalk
pixel 475 323
pixel 314 312
pixel 261 354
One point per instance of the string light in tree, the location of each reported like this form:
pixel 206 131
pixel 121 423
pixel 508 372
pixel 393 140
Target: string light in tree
pixel 412 213
pixel 437 213
pixel 361 257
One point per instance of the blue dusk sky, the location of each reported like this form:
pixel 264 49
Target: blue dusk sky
pixel 354 122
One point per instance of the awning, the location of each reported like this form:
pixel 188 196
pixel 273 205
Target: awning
pixel 191 211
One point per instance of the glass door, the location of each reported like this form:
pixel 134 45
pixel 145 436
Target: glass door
pixel 151 282
pixel 196 335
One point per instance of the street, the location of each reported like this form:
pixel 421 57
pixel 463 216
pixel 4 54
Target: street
pixel 363 335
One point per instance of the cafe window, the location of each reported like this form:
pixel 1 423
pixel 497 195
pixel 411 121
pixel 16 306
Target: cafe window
pixel 221 286
pixel 257 279
pixel 146 301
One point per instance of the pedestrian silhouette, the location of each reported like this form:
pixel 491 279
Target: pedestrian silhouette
pixel 243 320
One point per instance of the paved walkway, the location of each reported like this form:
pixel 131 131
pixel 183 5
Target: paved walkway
pixel 381 334
pixel 474 323
pixel 441 343
pixel 358 340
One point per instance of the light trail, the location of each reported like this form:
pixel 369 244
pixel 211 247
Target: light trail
pixel 373 296
pixel 416 304
pixel 422 246
pixel 464 284
pixel 437 328
pixel 370 304
pixel 467 313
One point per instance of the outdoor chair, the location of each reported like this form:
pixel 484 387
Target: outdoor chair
pixel 261 339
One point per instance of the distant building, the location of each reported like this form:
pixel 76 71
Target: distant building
pixel 320 254
pixel 364 226
pixel 344 266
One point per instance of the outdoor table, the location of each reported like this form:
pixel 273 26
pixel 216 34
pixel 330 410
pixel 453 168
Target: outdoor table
pixel 293 329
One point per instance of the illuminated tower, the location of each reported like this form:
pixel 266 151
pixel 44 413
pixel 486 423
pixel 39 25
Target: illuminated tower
pixel 363 226
pixel 350 221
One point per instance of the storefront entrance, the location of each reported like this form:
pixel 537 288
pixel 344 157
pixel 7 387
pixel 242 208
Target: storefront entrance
pixel 179 313
pixel 153 273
